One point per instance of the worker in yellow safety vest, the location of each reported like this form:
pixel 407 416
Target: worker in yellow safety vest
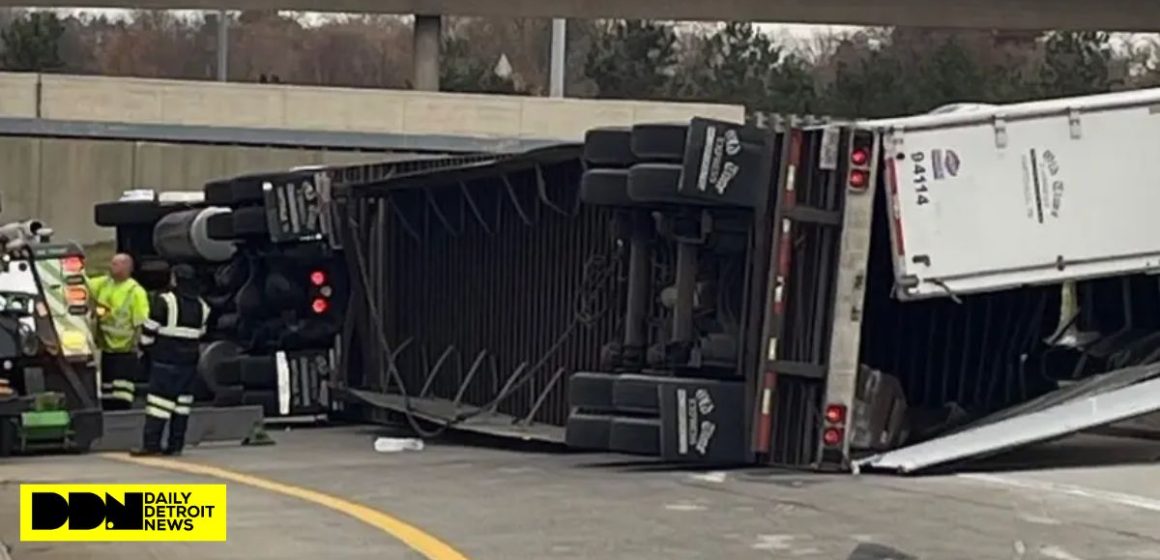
pixel 120 308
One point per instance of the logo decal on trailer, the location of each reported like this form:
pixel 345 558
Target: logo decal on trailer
pixel 945 163
pixel 732 142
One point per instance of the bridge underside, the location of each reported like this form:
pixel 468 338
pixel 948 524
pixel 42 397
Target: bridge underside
pixel 1111 15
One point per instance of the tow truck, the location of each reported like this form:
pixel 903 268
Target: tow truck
pixel 48 380
pixel 895 294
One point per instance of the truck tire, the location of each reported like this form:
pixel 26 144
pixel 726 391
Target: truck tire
pixel 229 372
pixel 587 431
pixel 231 276
pixel 227 322
pixel 183 236
pixel 268 400
pixel 220 227
pixel 250 222
pixel 656 183
pixel 637 394
pixel 129 213
pixel 608 146
pixel 228 395
pixel 248 189
pixel 213 356
pixel 235 191
pixel 591 391
pixel 638 436
pixel 659 142
pixel 605 187
pixel 258 372
pixel 201 391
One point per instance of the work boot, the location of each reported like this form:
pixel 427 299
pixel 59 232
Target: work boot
pixel 172 452
pixel 151 437
pixel 177 427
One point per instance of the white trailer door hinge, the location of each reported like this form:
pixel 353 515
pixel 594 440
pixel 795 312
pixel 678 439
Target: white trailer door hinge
pixel 1000 124
pixel 1073 124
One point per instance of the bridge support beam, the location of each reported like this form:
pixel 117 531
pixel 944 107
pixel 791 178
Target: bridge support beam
pixel 428 34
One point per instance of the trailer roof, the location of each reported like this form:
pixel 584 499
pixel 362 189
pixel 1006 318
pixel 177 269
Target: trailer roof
pixel 967 113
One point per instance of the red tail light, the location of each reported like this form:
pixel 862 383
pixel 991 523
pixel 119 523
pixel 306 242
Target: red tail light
pixel 859 157
pixel 835 414
pixel 319 305
pixel 318 277
pixel 832 437
pixel 72 265
pixel 859 179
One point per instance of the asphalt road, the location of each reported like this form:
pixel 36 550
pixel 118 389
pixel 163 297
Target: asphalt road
pixel 502 504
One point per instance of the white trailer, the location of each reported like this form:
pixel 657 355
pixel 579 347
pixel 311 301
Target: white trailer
pixel 914 270
pixel 1001 196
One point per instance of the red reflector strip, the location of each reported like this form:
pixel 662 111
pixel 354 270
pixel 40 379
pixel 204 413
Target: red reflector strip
pixel 788 200
pixel 767 391
pixel 783 263
pixel 795 146
pixel 896 220
pixel 765 395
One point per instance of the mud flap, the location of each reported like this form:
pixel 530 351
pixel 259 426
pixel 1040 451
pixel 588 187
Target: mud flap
pixel 701 422
pixel 1095 402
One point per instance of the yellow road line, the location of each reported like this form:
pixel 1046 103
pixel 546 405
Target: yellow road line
pixel 415 538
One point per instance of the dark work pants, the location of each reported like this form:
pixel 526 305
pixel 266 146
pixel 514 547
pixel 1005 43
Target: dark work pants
pixel 119 370
pixel 169 401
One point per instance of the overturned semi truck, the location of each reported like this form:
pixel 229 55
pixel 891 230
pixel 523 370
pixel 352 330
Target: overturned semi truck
pixel 893 294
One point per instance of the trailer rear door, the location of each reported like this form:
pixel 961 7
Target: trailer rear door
pixel 1032 193
pixel 1098 401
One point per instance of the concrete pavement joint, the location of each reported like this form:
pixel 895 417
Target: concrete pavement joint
pixel 425 544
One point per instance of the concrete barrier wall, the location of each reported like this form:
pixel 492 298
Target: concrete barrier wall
pixel 59 180
pixel 141 101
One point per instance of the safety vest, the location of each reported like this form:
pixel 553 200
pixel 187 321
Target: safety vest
pixel 120 307
pixel 174 329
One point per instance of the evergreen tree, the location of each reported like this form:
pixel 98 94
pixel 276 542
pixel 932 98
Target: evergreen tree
pixel 1076 63
pixel 740 64
pixel 633 60
pixel 32 43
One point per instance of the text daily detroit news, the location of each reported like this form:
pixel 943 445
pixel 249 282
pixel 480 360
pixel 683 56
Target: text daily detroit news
pixel 123 512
